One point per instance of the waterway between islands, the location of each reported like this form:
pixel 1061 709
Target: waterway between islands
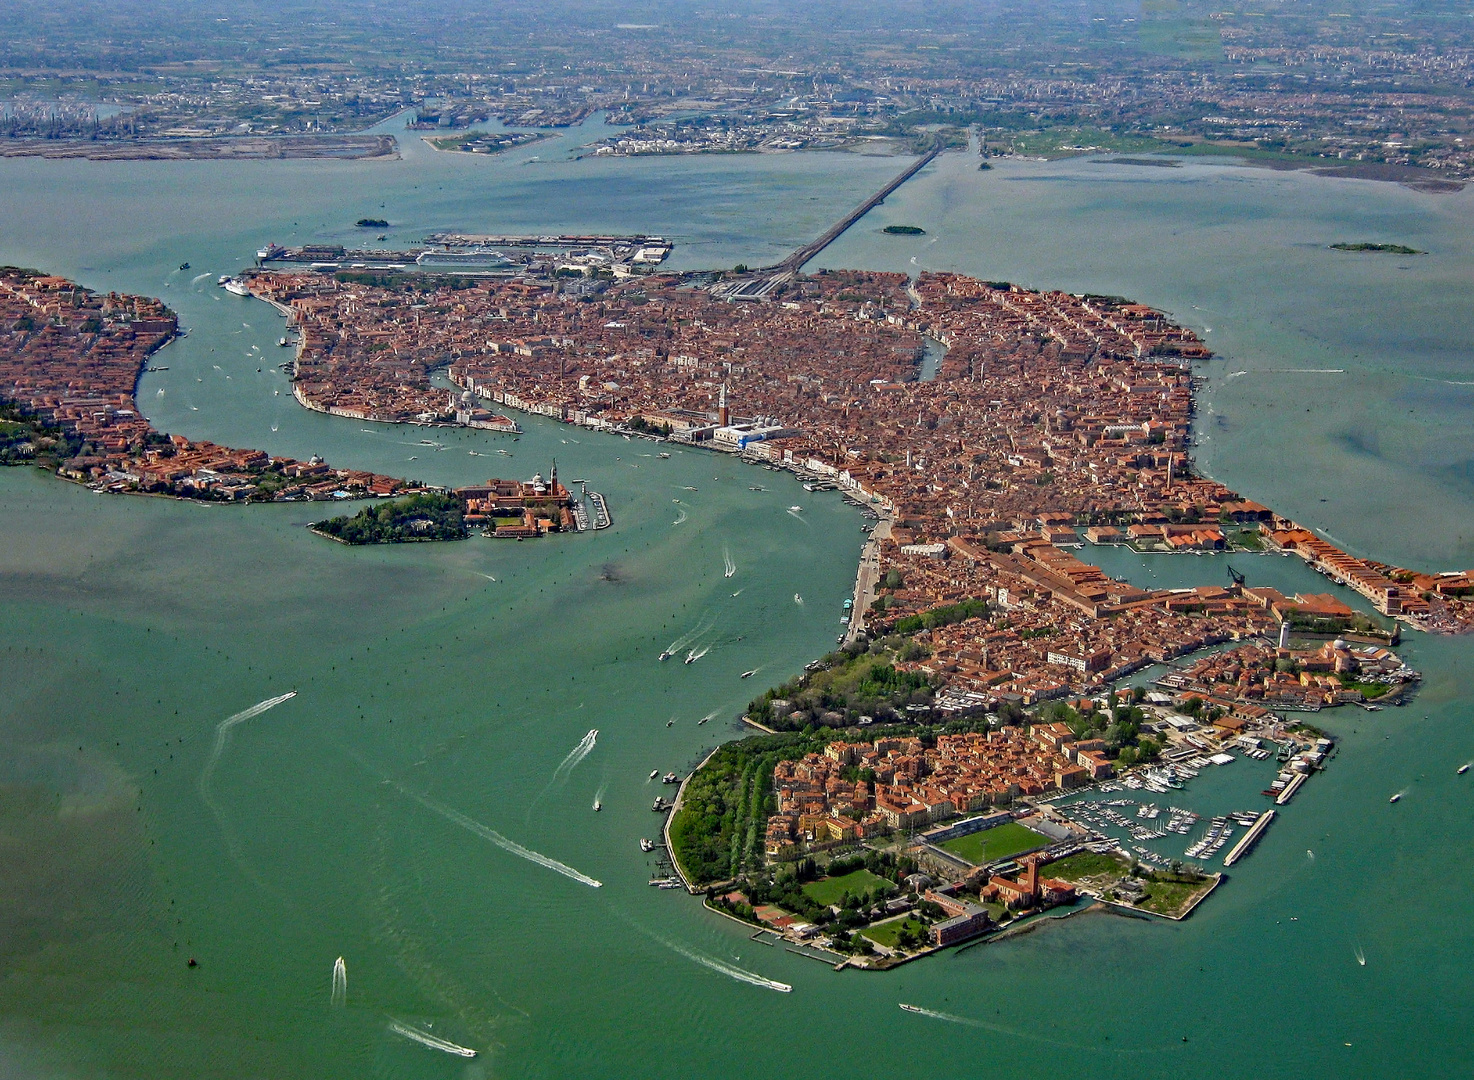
pixel 441 689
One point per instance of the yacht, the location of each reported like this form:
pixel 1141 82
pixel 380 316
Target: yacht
pixel 236 287
pixel 646 845
pixel 670 778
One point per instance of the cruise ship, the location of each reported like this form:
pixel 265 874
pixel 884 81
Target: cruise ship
pixel 482 257
pixel 237 287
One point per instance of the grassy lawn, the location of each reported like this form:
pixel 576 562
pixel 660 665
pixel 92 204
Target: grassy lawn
pixel 1085 865
pixel 887 933
pixel 829 890
pixel 1171 897
pixel 998 842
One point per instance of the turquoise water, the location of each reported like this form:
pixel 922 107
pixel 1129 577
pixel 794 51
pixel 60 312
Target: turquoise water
pixel 436 708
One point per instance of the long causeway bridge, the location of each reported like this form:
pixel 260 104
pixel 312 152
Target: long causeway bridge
pixel 761 280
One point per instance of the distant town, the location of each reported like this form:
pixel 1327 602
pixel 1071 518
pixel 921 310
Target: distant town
pixel 1379 92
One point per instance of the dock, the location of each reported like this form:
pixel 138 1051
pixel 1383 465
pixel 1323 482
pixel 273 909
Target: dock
pixel 1250 838
pixel 1290 789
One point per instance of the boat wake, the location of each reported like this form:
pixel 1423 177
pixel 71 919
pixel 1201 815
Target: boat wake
pixel 797 599
pixel 729 567
pixel 339 997
pixel 728 970
pixel 935 1015
pixel 222 737
pixel 797 516
pixel 683 517
pixel 431 1041
pixel 584 748
pixel 696 654
pixel 1003 1029
pixel 685 639
pixel 199 278
pixel 599 795
pixel 474 826
pixel 1361 957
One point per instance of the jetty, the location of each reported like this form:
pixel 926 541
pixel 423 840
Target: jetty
pixel 1249 839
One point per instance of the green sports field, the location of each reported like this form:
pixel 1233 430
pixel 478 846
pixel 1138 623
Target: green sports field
pixel 998 842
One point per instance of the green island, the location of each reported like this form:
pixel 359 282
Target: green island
pixel 1391 249
pixel 426 516
pixel 904 230
pixel 371 223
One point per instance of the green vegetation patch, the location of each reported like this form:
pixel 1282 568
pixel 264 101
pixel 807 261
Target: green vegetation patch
pixel 1172 894
pixel 1393 249
pixel 942 616
pixel 371 223
pixel 904 230
pixel 999 842
pixel 848 684
pixel 1369 690
pixel 832 890
pixel 719 830
pixel 1085 865
pixel 406 520
pixel 890 934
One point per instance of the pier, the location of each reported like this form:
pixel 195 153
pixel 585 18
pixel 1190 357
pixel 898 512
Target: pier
pixel 1249 839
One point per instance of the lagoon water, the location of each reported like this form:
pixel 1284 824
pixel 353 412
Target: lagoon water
pixel 390 811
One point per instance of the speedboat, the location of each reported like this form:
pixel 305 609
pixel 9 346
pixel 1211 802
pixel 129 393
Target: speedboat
pixel 909 1008
pixel 184 266
pixel 749 674
pixel 665 655
pixel 670 778
pixel 691 657
pixel 794 509
pixel 598 806
pixel 1395 797
pixel 1464 768
pixel 646 845
pixel 654 773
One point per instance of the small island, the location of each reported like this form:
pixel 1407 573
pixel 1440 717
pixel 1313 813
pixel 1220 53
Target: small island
pixel 1391 249
pixel 425 516
pixel 371 223
pixel 485 142
pixel 904 230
